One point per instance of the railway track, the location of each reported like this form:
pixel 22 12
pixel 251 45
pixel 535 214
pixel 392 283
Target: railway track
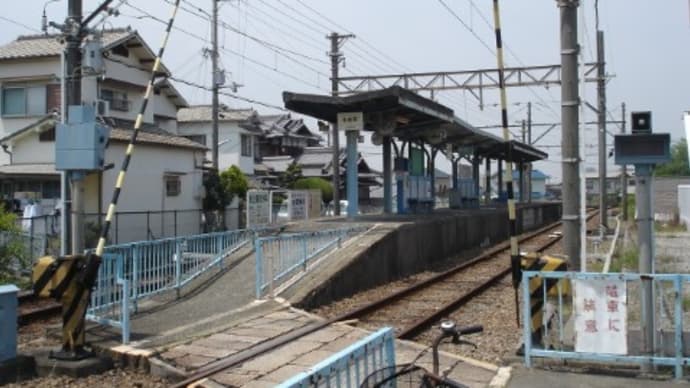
pixel 494 269
pixel 416 308
pixel 31 309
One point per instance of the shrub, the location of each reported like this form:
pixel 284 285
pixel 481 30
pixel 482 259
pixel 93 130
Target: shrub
pixel 316 184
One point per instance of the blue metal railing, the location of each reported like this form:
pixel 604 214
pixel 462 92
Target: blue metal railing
pixel 280 258
pixel 349 367
pixel 132 271
pixel 666 286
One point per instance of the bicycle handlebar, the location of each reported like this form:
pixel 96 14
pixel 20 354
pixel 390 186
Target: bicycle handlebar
pixel 470 329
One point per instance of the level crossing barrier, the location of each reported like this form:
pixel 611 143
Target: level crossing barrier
pixel 613 315
pixel 133 271
pixel 349 367
pixel 280 258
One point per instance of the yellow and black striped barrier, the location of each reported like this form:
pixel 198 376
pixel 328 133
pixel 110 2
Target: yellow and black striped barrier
pixel 68 280
pixel 535 262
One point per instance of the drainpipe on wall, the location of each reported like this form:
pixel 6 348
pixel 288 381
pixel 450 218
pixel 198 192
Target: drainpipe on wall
pixel 4 148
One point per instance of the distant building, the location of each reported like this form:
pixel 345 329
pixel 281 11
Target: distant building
pixel 539 187
pixel 281 135
pixel 238 143
pixel 318 162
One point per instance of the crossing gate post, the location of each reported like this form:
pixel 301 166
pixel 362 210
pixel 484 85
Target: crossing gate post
pixel 538 291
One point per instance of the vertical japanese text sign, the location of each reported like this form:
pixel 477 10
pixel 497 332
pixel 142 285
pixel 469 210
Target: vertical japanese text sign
pixel 600 316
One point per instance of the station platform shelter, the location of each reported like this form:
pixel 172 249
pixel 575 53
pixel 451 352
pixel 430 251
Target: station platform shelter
pixel 416 129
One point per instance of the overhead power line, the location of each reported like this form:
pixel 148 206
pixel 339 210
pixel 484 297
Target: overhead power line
pixel 230 51
pixel 20 24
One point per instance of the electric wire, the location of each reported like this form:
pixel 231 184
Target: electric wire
pixel 20 24
pixel 229 51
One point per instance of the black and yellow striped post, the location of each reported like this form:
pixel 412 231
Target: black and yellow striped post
pixel 535 262
pixel 512 211
pixel 71 279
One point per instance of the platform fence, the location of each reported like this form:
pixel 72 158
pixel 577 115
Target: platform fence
pixel 558 342
pixel 133 271
pixel 281 258
pixel 349 367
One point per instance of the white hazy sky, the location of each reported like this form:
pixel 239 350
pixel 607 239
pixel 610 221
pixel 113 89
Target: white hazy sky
pixel 647 45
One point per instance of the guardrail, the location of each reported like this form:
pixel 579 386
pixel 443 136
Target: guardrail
pixel 349 367
pixel 279 258
pixel 668 315
pixel 141 269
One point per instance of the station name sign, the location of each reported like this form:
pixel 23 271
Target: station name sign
pixel 351 121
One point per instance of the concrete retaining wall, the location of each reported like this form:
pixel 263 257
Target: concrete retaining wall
pixel 414 247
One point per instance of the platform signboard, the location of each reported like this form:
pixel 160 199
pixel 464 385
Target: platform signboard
pixel 351 121
pixel 600 316
pixel 258 208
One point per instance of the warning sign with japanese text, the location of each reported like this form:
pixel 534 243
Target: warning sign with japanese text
pixel 600 316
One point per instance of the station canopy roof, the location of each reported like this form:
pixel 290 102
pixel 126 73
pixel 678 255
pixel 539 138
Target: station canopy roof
pixel 416 118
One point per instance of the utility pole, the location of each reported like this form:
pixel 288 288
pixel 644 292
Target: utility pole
pixel 336 58
pixel 73 37
pixel 570 101
pixel 529 141
pixel 624 173
pixel 214 78
pixel 601 97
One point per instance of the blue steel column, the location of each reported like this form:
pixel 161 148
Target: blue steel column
pixel 387 176
pixel 352 187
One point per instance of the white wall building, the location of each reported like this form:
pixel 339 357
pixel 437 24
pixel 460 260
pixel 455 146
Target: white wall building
pixel 165 174
pixel 238 146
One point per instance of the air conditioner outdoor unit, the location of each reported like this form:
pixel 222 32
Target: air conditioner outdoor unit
pixel 102 107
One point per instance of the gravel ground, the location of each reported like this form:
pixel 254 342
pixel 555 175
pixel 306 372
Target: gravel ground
pixel 111 378
pixel 34 336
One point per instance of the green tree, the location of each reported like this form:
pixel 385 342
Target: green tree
pixel 292 175
pixel 216 197
pixel 234 182
pixel 316 184
pixel 678 166
pixel 13 256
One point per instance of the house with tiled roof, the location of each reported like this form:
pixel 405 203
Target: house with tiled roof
pixel 317 162
pixel 237 142
pixel 282 135
pixel 165 174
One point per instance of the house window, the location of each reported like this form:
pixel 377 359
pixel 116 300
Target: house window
pixel 118 100
pixel 201 139
pixel 48 135
pixel 24 101
pixel 173 185
pixel 246 145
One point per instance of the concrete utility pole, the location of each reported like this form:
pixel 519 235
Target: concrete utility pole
pixel 570 101
pixel 645 241
pixel 215 77
pixel 624 174
pixel 529 141
pixel 336 58
pixel 73 38
pixel 601 97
